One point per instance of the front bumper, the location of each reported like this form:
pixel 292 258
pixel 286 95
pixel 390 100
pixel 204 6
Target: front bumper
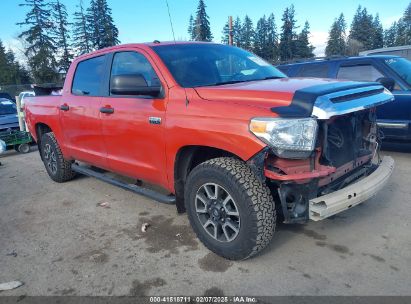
pixel 352 195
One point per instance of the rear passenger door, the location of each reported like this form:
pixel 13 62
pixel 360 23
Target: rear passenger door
pixel 134 132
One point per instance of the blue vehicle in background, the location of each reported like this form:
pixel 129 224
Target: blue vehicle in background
pixel 393 72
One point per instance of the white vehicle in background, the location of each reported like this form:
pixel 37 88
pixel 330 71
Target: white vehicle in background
pixel 25 94
pixel 402 51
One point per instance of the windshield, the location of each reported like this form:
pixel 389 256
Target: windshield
pixel 7 107
pixel 402 67
pixel 196 65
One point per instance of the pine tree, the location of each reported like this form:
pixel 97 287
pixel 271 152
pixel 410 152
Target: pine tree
pixel 101 26
pixel 303 47
pixel 288 35
pixel 247 34
pixel 11 72
pixel 81 35
pixel 202 24
pixel 237 32
pixel 361 32
pixel 390 35
pixel 3 65
pixel 336 43
pixel 225 34
pixel 61 35
pixel 403 27
pixel 191 28
pixel 261 47
pixel 41 46
pixel 272 38
pixel 378 34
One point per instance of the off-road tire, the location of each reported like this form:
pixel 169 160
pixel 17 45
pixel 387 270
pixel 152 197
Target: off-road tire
pixel 253 198
pixel 63 172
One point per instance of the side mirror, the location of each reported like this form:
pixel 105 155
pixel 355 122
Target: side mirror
pixel 132 84
pixel 388 83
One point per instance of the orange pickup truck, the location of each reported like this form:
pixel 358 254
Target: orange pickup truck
pixel 233 141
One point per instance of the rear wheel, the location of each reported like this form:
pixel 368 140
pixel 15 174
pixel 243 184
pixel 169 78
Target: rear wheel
pixel 57 167
pixel 230 210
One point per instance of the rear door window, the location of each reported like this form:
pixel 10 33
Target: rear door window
pixel 363 72
pixel 314 70
pixel 88 77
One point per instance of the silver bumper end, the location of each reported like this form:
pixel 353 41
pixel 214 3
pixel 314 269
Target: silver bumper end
pixel 352 195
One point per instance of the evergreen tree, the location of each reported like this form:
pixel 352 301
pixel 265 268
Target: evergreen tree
pixel 272 38
pixel 101 26
pixel 11 72
pixel 41 45
pixel 225 38
pixel 61 35
pixel 3 65
pixel 378 34
pixel 202 24
pixel 403 27
pixel 288 35
pixel 390 35
pixel 191 28
pixel 81 35
pixel 237 32
pixel 247 34
pixel 303 47
pixel 336 43
pixel 362 32
pixel 261 47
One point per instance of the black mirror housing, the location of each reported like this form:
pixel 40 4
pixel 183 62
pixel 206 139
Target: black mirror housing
pixel 387 82
pixel 132 84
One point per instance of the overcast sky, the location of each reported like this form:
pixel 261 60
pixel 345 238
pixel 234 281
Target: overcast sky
pixel 147 20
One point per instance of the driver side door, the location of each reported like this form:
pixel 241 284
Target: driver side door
pixel 133 131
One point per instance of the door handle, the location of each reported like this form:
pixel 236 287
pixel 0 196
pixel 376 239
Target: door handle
pixel 107 110
pixel 64 107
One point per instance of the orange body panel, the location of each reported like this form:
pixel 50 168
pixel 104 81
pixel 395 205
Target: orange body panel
pixel 125 141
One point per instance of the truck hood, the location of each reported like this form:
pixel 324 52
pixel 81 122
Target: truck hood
pixel 296 97
pixel 8 121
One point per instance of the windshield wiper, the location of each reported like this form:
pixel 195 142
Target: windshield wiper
pixel 272 77
pixel 222 83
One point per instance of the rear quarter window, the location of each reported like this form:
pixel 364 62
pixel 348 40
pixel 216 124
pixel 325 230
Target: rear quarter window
pixel 314 70
pixel 364 72
pixel 88 77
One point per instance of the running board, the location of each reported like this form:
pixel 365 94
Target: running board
pixel 166 199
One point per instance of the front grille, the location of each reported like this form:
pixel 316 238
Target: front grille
pixel 343 139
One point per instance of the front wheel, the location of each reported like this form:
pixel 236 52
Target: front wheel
pixel 230 210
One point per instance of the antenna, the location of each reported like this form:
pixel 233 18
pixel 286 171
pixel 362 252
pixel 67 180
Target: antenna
pixel 171 22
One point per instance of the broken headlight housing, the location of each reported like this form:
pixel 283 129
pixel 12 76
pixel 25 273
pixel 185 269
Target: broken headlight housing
pixel 288 137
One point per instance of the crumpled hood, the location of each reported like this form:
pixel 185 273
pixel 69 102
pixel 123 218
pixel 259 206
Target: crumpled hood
pixel 265 93
pixel 295 97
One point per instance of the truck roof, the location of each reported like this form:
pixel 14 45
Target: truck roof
pixel 143 45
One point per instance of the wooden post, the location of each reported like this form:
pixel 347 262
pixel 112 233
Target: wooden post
pixel 230 31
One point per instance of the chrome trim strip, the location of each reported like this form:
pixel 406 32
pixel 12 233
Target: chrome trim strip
pixel 393 125
pixel 324 108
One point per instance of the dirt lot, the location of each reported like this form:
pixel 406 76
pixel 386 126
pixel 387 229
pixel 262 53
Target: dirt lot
pixel 66 245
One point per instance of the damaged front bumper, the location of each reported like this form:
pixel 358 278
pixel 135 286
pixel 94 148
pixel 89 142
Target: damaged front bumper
pixel 352 195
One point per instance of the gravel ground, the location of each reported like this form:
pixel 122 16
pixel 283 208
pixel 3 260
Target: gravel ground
pixel 67 245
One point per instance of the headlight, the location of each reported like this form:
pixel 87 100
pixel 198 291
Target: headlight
pixel 289 138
